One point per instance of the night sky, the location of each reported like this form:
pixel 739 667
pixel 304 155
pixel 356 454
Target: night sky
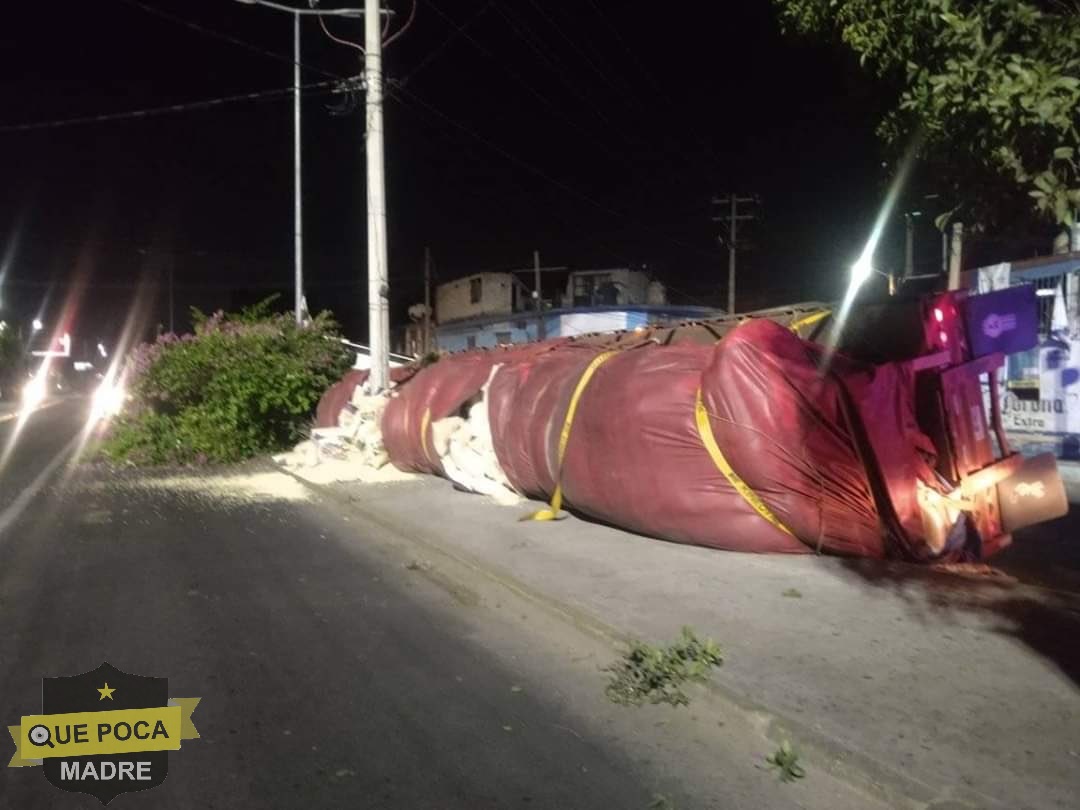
pixel 596 131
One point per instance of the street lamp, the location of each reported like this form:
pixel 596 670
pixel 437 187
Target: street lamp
pixel 37 325
pixel 377 278
pixel 864 268
pixel 298 222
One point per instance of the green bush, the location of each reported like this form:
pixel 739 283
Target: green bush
pixel 241 385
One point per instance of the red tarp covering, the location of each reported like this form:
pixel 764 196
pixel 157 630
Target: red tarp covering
pixel 339 394
pixel 438 391
pixel 804 453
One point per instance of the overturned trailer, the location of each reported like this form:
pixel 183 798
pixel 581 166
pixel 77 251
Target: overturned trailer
pixel 747 433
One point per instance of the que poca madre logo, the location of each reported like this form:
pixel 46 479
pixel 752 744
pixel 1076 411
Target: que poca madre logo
pixel 104 732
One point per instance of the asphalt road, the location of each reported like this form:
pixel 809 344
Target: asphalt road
pixel 332 673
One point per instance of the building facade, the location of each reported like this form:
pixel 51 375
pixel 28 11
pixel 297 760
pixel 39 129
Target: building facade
pixel 490 309
pixel 1041 396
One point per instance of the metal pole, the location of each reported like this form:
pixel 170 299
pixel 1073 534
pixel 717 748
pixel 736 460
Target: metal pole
pixel 731 256
pixel 538 298
pixel 298 220
pixel 378 305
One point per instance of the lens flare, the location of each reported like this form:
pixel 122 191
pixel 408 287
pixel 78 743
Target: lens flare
pixel 863 267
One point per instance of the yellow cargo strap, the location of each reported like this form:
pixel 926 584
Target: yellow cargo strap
pixel 425 420
pixel 809 320
pixel 701 415
pixel 552 513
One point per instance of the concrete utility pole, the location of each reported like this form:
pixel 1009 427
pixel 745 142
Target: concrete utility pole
pixel 298 219
pixel 732 219
pixel 538 298
pixel 378 289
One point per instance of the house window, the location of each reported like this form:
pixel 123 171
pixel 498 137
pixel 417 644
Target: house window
pixel 470 342
pixel 476 290
pixel 502 338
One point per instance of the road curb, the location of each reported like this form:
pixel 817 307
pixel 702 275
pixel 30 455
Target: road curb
pixel 820 750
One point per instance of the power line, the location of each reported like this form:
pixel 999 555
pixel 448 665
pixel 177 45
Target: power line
pixel 635 142
pixel 574 86
pixel 404 27
pixel 330 86
pixel 210 32
pixel 581 52
pixel 395 88
pixel 339 40
pixel 311 12
pixel 660 94
pixel 438 50
pixel 520 80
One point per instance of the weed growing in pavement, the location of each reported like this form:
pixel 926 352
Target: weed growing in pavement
pixel 661 802
pixel 786 760
pixel 648 674
pixel 792 593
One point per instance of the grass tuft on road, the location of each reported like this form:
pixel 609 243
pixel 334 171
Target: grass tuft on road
pixel 648 674
pixel 786 761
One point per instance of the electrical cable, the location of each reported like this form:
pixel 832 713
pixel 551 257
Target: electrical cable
pixel 329 85
pixel 210 32
pixel 703 143
pixel 585 57
pixel 405 27
pixel 312 12
pixel 394 89
pixel 438 50
pixel 532 41
pixel 338 40
pixel 547 102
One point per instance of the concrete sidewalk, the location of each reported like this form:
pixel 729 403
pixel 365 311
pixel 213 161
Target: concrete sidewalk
pixel 939 687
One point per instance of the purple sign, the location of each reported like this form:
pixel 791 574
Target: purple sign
pixel 1004 321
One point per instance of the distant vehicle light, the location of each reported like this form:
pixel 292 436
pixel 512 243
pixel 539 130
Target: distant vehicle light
pixel 82 365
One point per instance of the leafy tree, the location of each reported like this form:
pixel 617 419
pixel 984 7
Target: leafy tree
pixel 990 89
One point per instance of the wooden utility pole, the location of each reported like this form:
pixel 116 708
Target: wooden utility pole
pixel 732 218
